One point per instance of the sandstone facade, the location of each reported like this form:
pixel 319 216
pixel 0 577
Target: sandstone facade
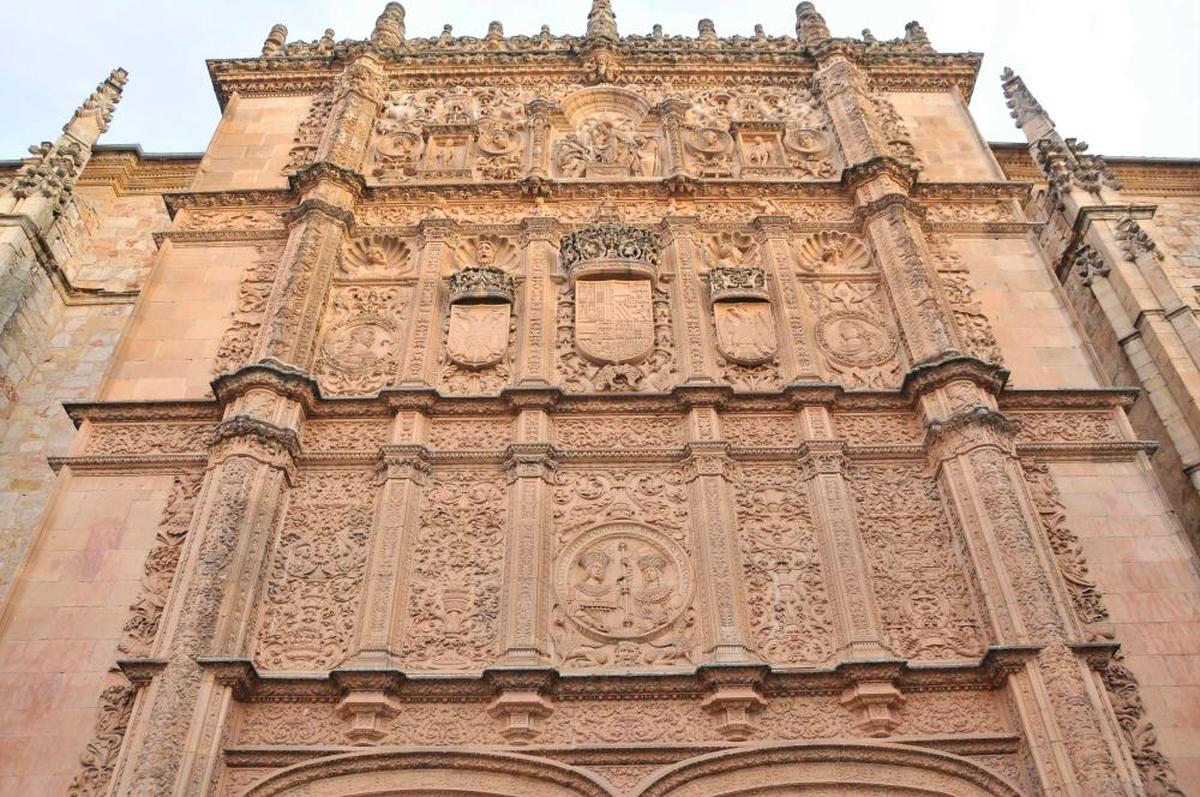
pixel 599 415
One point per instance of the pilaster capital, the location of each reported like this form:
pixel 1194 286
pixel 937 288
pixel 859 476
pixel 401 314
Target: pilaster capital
pixel 405 462
pixel 284 380
pixel 734 695
pixel 929 376
pixel 241 435
pixel 872 209
pixel 672 107
pixel 968 429
pixel 313 205
pixel 530 461
pixel 542 229
pixel 707 458
pixel 531 398
pixel 903 175
pixel 521 702
pixel 303 180
pixel 703 395
pixel 823 457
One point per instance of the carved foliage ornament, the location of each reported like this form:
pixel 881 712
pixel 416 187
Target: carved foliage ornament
pixel 609 240
pixel 357 354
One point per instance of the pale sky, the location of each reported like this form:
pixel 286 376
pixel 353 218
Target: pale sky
pixel 1123 75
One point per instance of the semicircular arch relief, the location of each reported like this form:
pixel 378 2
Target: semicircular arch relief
pixel 415 773
pixel 801 769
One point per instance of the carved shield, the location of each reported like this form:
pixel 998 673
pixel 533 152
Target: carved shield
pixel 478 335
pixel 614 320
pixel 745 331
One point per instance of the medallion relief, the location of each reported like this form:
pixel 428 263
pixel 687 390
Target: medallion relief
pixel 623 582
pixel 357 354
pixel 853 333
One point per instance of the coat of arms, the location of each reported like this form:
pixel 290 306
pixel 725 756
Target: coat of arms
pixel 745 331
pixel 614 320
pixel 478 335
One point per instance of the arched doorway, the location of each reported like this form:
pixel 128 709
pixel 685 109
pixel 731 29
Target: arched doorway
pixel 818 769
pixel 430 773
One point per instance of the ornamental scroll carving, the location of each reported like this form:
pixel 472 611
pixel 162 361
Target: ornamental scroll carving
pixel 237 342
pixel 456 563
pixel 357 354
pixel 159 570
pixel 100 755
pixel 1122 686
pixel 789 608
pixel 926 605
pixel 623 589
pixel 317 573
pixel 973 326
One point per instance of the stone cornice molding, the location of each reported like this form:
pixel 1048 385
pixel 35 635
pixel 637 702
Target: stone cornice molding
pixel 928 376
pixel 277 377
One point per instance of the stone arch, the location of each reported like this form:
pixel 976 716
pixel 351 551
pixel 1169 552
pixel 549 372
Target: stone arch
pixel 604 99
pixel 824 769
pixel 420 773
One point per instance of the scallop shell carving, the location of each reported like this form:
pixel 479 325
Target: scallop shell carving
pixel 495 251
pixel 831 251
pixel 377 256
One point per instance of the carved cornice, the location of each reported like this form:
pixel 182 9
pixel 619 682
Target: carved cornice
pixel 294 216
pixel 277 377
pixel 903 174
pixel 308 176
pixel 931 375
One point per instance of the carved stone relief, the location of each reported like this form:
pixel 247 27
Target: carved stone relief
pixel 308 133
pixel 790 614
pixel 316 576
pixel 623 589
pixel 377 257
pixel 237 343
pixel 100 755
pixel 745 325
pixel 480 327
pixel 456 563
pixel 927 606
pixel 608 146
pixel 357 354
pixel 859 347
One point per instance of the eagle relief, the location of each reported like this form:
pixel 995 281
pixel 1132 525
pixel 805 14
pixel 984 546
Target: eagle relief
pixel 480 311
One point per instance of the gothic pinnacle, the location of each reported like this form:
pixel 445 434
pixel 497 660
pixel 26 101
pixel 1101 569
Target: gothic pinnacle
pixel 389 27
pixel 1023 107
pixel 602 22
pixel 276 41
pixel 810 25
pixel 101 102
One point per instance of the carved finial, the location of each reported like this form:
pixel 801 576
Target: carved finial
pixel 869 37
pixel 495 34
pixel 276 41
pixel 389 27
pixel 447 34
pixel 325 45
pixel 1022 106
pixel 656 32
pixel 708 30
pixel 913 32
pixel 602 22
pixel 759 33
pixel 810 25
pixel 101 102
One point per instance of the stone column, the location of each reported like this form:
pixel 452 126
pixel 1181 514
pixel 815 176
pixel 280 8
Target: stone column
pixel 795 352
pixel 527 562
pixel 972 450
pixel 717 554
pixel 175 735
pixel 425 325
pixel 535 364
pixel 823 467
pixel 404 470
pixel 689 300
pixel 671 111
pixel 538 112
pixel 328 191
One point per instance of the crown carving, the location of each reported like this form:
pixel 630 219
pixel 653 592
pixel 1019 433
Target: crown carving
pixel 610 249
pixel 481 284
pixel 728 283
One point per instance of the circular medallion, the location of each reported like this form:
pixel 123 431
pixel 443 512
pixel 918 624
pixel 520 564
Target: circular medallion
pixel 856 339
pixel 498 139
pixel 401 146
pixel 359 345
pixel 623 581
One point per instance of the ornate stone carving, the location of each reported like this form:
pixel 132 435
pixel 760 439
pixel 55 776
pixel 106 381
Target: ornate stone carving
pixel 1134 241
pixel 607 146
pixel 377 257
pixel 626 340
pixel 100 755
pixel 831 252
pixel 481 283
pixel 973 326
pixel 635 432
pixel 237 343
pixel 623 588
pixel 357 355
pixel 623 582
pixel 309 132
pixel 759 431
pixel 790 613
pixel 857 347
pixel 316 577
pixel 159 570
pixel 357 435
pixel 609 241
pixel 927 606
pixel 479 433
pixel 456 561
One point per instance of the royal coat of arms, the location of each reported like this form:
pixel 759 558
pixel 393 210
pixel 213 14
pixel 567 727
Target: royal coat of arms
pixel 614 320
pixel 745 331
pixel 478 335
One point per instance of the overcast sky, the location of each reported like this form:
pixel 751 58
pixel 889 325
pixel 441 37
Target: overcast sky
pixel 1125 76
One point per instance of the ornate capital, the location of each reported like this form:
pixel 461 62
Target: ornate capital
pixel 251 437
